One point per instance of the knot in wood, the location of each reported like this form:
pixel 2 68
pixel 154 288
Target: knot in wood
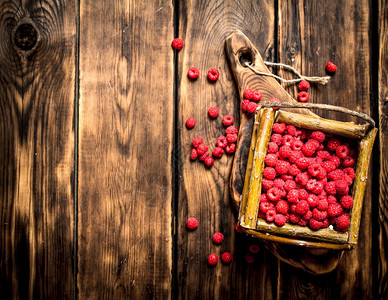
pixel 26 36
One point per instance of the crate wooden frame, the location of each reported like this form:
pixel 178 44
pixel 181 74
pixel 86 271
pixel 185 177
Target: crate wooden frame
pixel 293 234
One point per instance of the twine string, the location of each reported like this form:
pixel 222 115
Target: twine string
pixel 319 106
pixel 320 80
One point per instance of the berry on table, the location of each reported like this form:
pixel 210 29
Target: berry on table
pixel 230 148
pixel 227 120
pixel 222 142
pixel 231 138
pixel 213 112
pixel 213 74
pixel 251 107
pixel 192 223
pixel 217 152
pixel 190 123
pixel 193 73
pixel 194 154
pixel 217 238
pixel 197 141
pixel 226 257
pixel 209 161
pixel 177 44
pixel 256 96
pixel 212 259
pixel 244 105
pixel 231 129
pixel 304 85
pixel 331 67
pixel 303 96
pixel 248 94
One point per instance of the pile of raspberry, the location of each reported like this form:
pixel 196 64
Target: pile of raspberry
pixel 307 179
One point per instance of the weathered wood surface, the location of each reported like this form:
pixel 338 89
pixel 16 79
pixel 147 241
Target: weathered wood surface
pixel 96 182
pixel 37 72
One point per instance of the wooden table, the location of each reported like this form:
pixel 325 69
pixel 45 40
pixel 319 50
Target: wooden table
pixel 96 182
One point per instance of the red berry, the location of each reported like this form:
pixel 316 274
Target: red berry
pixel 271 159
pixel 256 96
pixel 212 259
pixel 291 130
pixel 289 185
pixel 335 175
pixel 227 120
pixel 342 151
pixel 282 166
pixel 303 194
pixel 197 141
pixel 343 222
pixel 324 155
pixel 287 140
pixel 331 199
pixel 203 156
pixel 302 207
pixel 333 144
pixel 217 152
pixel 222 142
pixel 279 127
pixel 323 204
pixel 304 85
pixel 248 94
pixel 272 147
pixel 303 96
pixel 213 74
pixel 231 148
pixel 202 148
pixel 217 238
pixel 274 194
pixel 330 67
pixel 328 166
pixel 249 258
pixel 267 184
pixel 226 257
pixel 348 162
pixel 254 249
pixel 244 105
pixel 177 44
pixel 282 207
pixel 272 100
pixel 194 154
pixel 314 169
pixel 294 217
pixel 266 206
pixel 295 155
pixel 330 188
pixel 276 138
pixel 303 222
pixel 294 170
pixel 209 161
pixel 341 186
pixel 279 183
pixel 280 220
pixel 297 145
pixel 213 112
pixel 314 224
pixel 346 201
pixel 350 172
pixel 231 130
pixel 303 163
pixel 335 160
pixel 190 123
pixel 238 228
pixel 251 107
pixel 309 148
pixel 293 196
pixel 319 215
pixel 192 223
pixel 334 210
pixel 269 173
pixel 193 73
pixel 231 138
pixel 318 136
pixel 312 200
pixel 302 178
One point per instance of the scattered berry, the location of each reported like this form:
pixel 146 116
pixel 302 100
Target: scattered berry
pixel 192 223
pixel 222 142
pixel 204 156
pixel 217 152
pixel 194 154
pixel 209 161
pixel 342 151
pixel 197 141
pixel 318 136
pixel 213 112
pixel 304 85
pixel 330 67
pixel 251 107
pixel 333 144
pixel 213 74
pixel 226 257
pixel 272 147
pixel 227 120
pixel 303 96
pixel 231 130
pixel 212 259
pixel 217 238
pixel 244 105
pixel 248 94
pixel 254 249
pixel 230 148
pixel 231 138
pixel 282 207
pixel 193 73
pixel 249 258
pixel 177 44
pixel 190 122
pixel 302 207
pixel 202 148
pixel 256 96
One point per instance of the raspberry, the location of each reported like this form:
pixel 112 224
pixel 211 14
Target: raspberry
pixel 309 148
pixel 272 100
pixel 303 222
pixel 335 175
pixel 328 166
pixel 244 105
pixel 271 159
pixel 316 186
pixel 203 156
pixel 238 228
pixel 202 148
pixel 302 178
pixel 287 140
pixel 209 161
pixel 303 163
pixel 212 259
pixel 301 134
pixel 312 200
pixel 270 215
pixel 293 196
pixel 330 67
pixel 318 136
pixel 272 147
pixel 346 201
pixel 266 206
pixel 274 194
pixel 308 215
pixel 190 123
pixel 263 198
pixel 342 222
pixel 256 96
pixel 314 142
pixel 282 207
pixel 279 127
pixel 177 44
pixel 303 85
pixel 330 188
pixel 348 162
pixel 249 258
pixel 285 151
pixel 231 130
pixel 314 224
pixel 248 94
pixel 295 155
pixel 297 145
pixel 231 138
pixel 282 166
pixel 251 107
pixel 226 257
pixel 333 144
pixel 294 218
pixel 294 170
pixel 323 204
pixel 324 155
pixel 193 73
pixel 217 152
pixel 254 249
pixel 325 223
pixel 222 142
pixel 231 148
pixel 314 169
pixel 213 112
pixel 192 223
pixel 276 138
pixel 213 74
pixel 342 151
pixel 269 173
pixel 279 183
pixel 303 194
pixel 291 130
pixel 302 207
pixel 331 199
pixel 267 184
pixel 341 186
pixel 350 172
pixel 227 120
pixel 280 220
pixel 194 154
pixel 335 160
pixel 319 215
pixel 197 141
pixel 289 185
pixel 217 238
pixel 334 210
pixel 303 96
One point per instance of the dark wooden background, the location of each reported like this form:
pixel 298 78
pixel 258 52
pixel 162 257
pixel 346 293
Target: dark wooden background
pixel 95 178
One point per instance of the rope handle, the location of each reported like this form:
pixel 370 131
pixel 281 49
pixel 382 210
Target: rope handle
pixel 319 106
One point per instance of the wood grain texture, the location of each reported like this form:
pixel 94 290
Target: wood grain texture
pixel 37 71
pixel 383 134
pixel 311 33
pixel 126 138
pixel 204 193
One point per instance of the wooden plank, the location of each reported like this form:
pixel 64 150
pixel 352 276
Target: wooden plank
pixel 383 116
pixel 311 33
pixel 126 137
pixel 37 72
pixel 204 193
